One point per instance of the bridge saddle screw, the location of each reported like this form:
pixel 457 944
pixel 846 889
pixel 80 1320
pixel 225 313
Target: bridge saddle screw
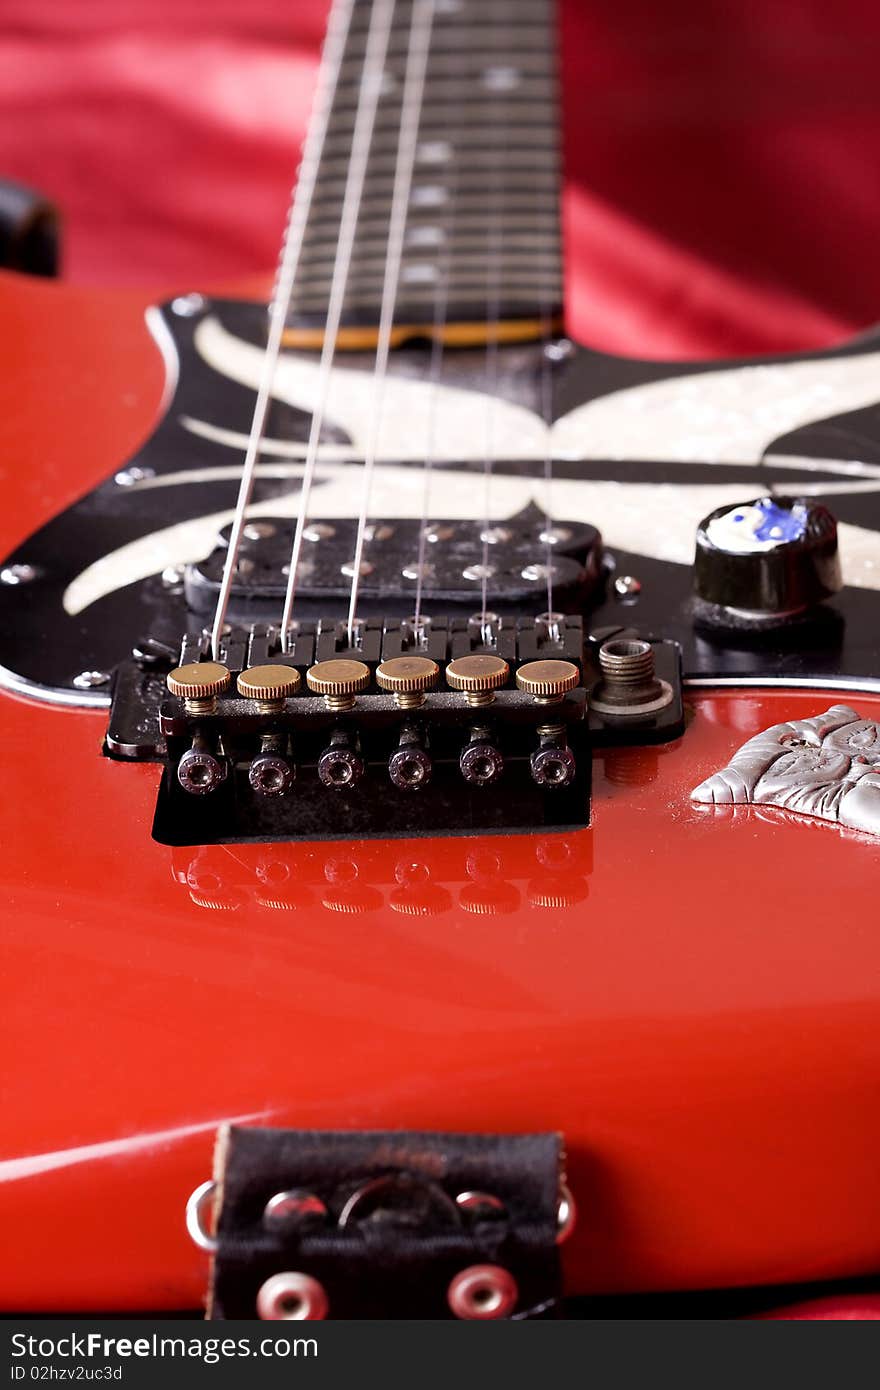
pixel 548 681
pixel 339 681
pixel 478 676
pixel 198 685
pixel 270 686
pixel 408 678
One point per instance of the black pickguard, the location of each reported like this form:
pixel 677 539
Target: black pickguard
pixel 44 648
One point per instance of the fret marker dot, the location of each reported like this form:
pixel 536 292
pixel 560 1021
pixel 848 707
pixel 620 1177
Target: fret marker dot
pixel 429 195
pixel 425 236
pixel 434 152
pixel 419 274
pixel 501 79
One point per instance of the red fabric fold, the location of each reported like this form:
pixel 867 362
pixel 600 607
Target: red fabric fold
pixel 843 1308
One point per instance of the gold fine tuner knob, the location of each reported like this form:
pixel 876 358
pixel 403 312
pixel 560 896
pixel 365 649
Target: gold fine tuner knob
pixel 548 681
pixel 270 686
pixel 198 685
pixel 339 681
pixel 407 678
pixel 478 676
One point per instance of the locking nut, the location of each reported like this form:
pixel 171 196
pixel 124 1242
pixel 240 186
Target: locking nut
pixel 629 687
pixel 340 766
pixel 270 774
pixel 481 761
pixel 553 764
pixel 199 771
pixel 410 767
pixel 553 767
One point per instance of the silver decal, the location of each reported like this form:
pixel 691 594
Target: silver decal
pixel 827 766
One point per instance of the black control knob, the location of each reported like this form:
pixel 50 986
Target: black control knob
pixel 764 563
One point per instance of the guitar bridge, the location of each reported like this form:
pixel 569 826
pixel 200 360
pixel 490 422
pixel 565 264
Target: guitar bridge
pixel 452 726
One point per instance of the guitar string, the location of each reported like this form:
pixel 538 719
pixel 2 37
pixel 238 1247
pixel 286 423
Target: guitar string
pixel 547 416
pixel 494 237
pixel 378 35
pixel 410 119
pixel 332 57
pixel 441 308
pixel 550 253
pixel 545 390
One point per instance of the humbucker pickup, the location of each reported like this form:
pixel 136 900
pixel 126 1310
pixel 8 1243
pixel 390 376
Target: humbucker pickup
pixel 451 554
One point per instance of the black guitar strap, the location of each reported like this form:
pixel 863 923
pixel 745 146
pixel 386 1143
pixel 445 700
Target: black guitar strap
pixel 386 1225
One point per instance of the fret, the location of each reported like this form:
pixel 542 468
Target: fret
pixel 468 184
pixel 428 202
pixel 474 12
pixel 326 227
pixel 535 244
pixel 473 283
pixel 511 29
pixel 485 183
pixel 484 137
pixel 510 120
pixel 466 64
pixel 371 269
pixel 443 92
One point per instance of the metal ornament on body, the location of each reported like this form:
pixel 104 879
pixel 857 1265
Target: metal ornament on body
pixel 827 766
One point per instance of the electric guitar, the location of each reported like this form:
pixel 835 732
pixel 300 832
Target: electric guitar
pixel 498 751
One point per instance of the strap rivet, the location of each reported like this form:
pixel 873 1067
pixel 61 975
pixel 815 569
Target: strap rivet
pixel 482 1293
pixel 292 1297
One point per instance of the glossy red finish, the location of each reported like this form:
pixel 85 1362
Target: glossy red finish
pixel 692 997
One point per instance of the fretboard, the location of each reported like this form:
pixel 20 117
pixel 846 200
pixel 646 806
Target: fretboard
pixel 482 232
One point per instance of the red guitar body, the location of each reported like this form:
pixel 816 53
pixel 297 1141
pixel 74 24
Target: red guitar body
pixel 691 995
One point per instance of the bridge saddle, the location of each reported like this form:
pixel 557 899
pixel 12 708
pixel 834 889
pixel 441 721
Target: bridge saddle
pixel 449 726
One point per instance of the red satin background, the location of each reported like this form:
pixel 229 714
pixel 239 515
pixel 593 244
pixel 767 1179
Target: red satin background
pixel 722 192
pixel 722 155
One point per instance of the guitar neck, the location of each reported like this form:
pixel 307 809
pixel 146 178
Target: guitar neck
pixel 482 239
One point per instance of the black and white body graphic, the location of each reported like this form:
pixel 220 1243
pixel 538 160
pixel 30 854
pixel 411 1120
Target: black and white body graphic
pixel 641 450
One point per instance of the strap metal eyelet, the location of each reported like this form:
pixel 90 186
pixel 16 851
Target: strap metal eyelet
pixel 566 1214
pixel 196 1216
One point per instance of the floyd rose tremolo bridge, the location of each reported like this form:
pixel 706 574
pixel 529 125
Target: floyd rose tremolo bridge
pixel 455 726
